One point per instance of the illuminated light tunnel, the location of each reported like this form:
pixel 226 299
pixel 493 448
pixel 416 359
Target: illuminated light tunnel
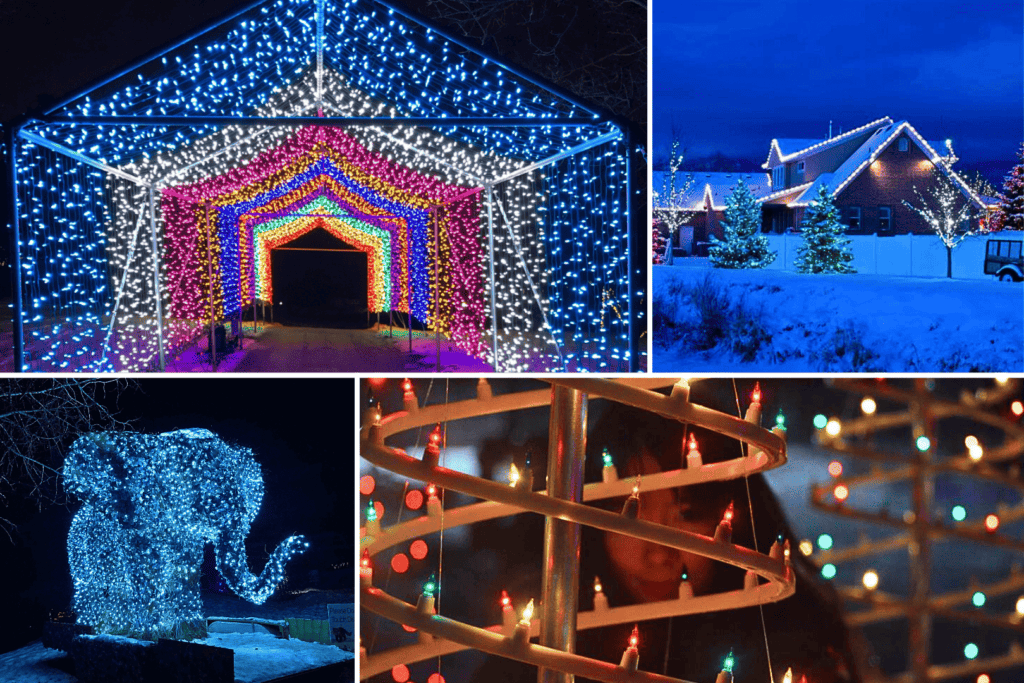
pixel 492 208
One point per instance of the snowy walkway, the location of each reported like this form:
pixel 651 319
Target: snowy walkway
pixel 904 324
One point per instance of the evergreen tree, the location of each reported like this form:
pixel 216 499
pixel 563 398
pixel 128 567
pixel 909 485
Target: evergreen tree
pixel 826 248
pixel 658 244
pixel 743 246
pixel 1010 215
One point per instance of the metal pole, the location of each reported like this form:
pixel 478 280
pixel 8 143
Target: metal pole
pixel 11 142
pixel 490 247
pixel 567 446
pixel 920 622
pixel 437 288
pixel 156 277
pixel 209 289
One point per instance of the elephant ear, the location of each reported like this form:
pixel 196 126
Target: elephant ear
pixel 94 468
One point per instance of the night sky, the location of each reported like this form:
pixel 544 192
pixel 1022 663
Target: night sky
pixel 300 432
pixel 732 75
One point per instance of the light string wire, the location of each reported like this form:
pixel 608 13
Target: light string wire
pixel 753 532
pixel 440 548
pixel 387 580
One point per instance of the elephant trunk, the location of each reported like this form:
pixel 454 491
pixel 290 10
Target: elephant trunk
pixel 233 565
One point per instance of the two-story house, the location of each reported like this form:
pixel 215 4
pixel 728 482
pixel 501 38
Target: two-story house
pixel 869 172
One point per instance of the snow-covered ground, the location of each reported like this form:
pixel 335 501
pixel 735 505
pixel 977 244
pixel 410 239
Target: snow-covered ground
pixel 841 323
pixel 258 657
pixel 263 657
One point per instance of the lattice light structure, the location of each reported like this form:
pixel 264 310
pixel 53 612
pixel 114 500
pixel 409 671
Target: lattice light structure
pixel 151 504
pixel 564 508
pixel 906 433
pixel 492 208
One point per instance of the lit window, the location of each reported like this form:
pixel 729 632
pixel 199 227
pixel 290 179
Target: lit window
pixel 799 167
pixel 904 144
pixel 885 219
pixel 778 176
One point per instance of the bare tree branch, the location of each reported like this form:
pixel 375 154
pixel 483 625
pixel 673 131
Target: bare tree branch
pixel 39 418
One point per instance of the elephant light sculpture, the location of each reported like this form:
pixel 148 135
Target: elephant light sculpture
pixel 151 504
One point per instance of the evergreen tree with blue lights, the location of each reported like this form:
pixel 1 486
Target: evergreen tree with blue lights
pixel 743 246
pixel 826 249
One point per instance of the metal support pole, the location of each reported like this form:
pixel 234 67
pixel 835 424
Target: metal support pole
pixel 11 142
pixel 490 248
pixel 209 289
pixel 567 446
pixel 156 277
pixel 437 288
pixel 920 621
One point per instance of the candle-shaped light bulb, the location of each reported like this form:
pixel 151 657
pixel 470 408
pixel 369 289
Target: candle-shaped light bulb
pixel 600 599
pixel 409 401
pixel 608 471
pixel 371 512
pixel 780 422
pixel 631 657
pixel 631 508
pixel 365 569
pixel 425 603
pixel 754 409
pixel 693 456
pixel 508 614
pixel 725 675
pixel 513 475
pixel 681 390
pixel 527 613
pixel 723 534
pixel 432 453
pixel 433 502
pixel 685 589
pixel 483 389
pixel 521 632
pixel 788 677
pixel 786 552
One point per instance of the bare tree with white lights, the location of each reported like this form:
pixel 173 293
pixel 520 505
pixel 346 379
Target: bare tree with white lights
pixel 948 213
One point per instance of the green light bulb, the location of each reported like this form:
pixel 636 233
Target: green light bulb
pixel 820 421
pixel 923 443
pixel 607 457
pixel 978 599
pixel 829 571
pixel 729 662
pixel 371 512
pixel 780 421
pixel 959 513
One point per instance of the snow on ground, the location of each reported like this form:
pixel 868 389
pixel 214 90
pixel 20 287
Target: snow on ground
pixel 263 657
pixel 258 657
pixel 35 664
pixel 844 323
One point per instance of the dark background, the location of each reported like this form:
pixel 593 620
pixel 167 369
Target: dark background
pixel 300 434
pixel 729 76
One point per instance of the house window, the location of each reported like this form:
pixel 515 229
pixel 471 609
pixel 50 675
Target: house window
pixel 885 220
pixel 904 144
pixel 778 176
pixel 853 219
pixel 799 167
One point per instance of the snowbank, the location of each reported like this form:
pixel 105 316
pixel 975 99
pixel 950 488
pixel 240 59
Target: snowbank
pixel 843 323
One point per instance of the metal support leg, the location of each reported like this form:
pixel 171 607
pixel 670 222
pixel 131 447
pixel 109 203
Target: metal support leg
pixel 156 277
pixel 490 249
pixel 567 445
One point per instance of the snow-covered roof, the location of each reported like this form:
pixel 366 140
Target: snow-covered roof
pixel 869 151
pixel 790 149
pixel 717 185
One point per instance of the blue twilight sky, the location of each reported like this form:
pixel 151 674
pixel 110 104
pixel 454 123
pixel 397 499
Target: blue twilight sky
pixel 733 74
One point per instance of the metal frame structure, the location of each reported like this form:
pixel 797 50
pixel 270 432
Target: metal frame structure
pixel 21 131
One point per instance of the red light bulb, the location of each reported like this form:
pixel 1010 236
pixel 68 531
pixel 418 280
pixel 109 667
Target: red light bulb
pixel 991 523
pixel 727 517
pixel 505 600
pixel 756 395
pixel 634 638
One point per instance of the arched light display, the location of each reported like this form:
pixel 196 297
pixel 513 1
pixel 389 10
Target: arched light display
pixel 492 209
pixel 151 503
